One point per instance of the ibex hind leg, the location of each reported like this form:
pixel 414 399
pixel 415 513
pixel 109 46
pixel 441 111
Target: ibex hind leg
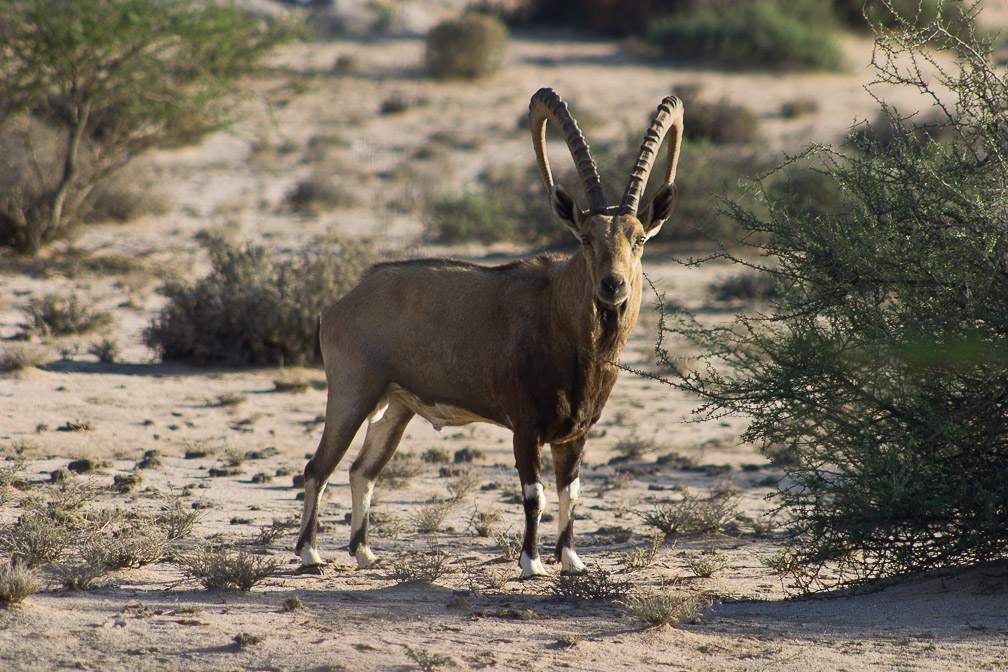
pixel 383 437
pixel 342 422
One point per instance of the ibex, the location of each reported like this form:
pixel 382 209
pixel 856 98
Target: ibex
pixel 529 345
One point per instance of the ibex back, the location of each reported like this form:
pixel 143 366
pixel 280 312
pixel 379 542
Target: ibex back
pixel 529 346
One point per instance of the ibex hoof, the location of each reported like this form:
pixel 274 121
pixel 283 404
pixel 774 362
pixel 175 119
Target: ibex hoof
pixel 317 570
pixel 570 563
pixel 310 557
pixel 531 567
pixel 365 558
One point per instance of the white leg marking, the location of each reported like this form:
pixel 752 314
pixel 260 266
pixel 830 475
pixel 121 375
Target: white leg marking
pixel 361 490
pixel 530 567
pixel 568 500
pixel 309 556
pixel 379 410
pixel 534 491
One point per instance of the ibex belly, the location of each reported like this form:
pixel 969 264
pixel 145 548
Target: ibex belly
pixel 439 414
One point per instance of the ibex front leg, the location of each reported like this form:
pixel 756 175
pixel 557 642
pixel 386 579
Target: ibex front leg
pixel 527 458
pixel 567 467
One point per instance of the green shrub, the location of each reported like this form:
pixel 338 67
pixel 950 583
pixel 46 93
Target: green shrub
pixel 254 307
pixel 606 17
pixel 471 217
pixel 722 123
pixel 752 34
pixel 883 365
pixel 104 82
pixel 468 48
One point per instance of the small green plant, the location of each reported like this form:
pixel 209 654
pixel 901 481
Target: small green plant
pixel 218 568
pixel 468 48
pixel 659 608
pixel 56 315
pixel 752 34
pixel 693 514
pixel 594 584
pixel 427 661
pixel 705 563
pixel 17 581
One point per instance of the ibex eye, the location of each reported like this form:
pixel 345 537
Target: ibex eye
pixel 640 241
pixel 586 241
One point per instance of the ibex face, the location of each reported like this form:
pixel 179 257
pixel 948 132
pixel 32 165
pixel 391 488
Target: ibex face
pixel 612 244
pixel 612 237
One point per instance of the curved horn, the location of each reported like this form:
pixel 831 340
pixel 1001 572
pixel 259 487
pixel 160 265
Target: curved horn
pixel 547 105
pixel 669 117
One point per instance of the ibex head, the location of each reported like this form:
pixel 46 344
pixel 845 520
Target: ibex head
pixel 612 237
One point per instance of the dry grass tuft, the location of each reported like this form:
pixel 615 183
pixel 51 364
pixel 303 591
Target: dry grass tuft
pixel 17 581
pixel 420 566
pixel 693 514
pixel 657 609
pixel 22 356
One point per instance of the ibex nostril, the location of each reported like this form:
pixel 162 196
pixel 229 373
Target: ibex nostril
pixel 613 285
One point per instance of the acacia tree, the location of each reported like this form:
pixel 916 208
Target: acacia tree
pixel 86 85
pixel 883 365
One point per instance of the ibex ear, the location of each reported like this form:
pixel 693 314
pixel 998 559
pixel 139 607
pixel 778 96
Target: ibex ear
pixel 565 208
pixel 659 209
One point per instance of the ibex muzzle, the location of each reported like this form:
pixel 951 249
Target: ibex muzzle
pixel 529 346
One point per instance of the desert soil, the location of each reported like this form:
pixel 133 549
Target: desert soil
pixel 310 118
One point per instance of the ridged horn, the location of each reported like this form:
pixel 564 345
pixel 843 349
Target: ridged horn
pixel 545 106
pixel 669 117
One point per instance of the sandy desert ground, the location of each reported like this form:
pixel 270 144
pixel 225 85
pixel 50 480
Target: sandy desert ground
pixel 478 614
